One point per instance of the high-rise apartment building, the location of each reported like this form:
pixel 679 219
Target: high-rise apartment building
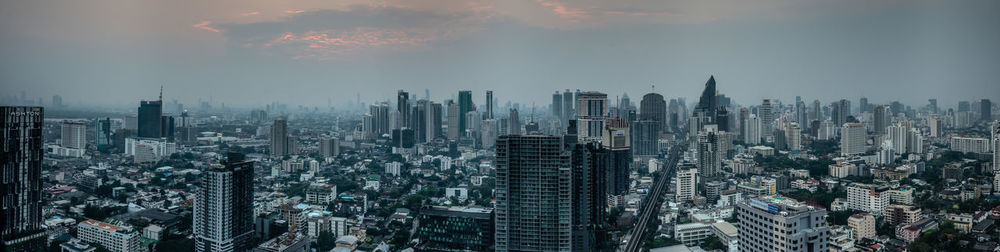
pixel 149 119
pixel 21 157
pixel 868 198
pixel 852 139
pixel 403 107
pixel 223 207
pixel 985 110
pixel 281 144
pixel 881 119
pixel 766 115
pixel 709 162
pixel 781 224
pixel 533 194
pixel 616 141
pixel 591 111
pixel 464 106
pixel 687 184
pixel 74 135
pixel 863 225
pixel 557 107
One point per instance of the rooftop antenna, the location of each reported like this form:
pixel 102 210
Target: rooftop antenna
pixel 161 93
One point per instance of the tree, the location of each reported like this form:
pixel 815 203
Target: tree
pixel 713 243
pixel 326 241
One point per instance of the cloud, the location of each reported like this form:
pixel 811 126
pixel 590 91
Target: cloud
pixel 294 11
pixel 204 25
pixel 252 13
pixel 564 11
pixel 357 32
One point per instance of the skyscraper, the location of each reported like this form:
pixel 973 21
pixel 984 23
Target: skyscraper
pixel 464 106
pixel 21 138
pixel 644 138
pixel 751 133
pixel 589 193
pixel 454 121
pixel 489 105
pixel 615 140
pixel 996 154
pixel 706 111
pixel 403 107
pixel 882 117
pixel 781 224
pixel 766 120
pixel 533 194
pixel 568 110
pixel 654 108
pixel 592 110
pixel 223 208
pixel 852 139
pixel 279 138
pixel 74 135
pixel 709 163
pixel 150 119
pixel 687 184
pixel 514 123
pixel 557 108
pixel 985 110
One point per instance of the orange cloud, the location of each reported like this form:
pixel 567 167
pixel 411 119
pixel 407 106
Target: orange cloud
pixel 564 11
pixel 294 11
pixel 204 25
pixel 252 13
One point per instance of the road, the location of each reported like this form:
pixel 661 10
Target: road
pixel 652 203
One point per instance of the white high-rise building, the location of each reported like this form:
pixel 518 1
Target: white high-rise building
pixel 224 206
pixel 687 182
pixel 868 198
pixel 74 135
pixel 767 120
pixel 751 134
pixel 852 139
pixel 827 130
pixel 793 136
pixel 970 145
pixel 591 111
pixel 996 154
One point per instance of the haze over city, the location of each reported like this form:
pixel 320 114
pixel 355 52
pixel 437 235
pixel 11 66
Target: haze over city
pixel 520 125
pixel 305 52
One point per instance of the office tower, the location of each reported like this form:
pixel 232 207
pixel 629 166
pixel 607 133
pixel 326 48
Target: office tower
pixel 936 126
pixel 533 192
pixel 489 105
pixel 591 111
pixel 464 106
pixel 280 142
pixel 705 111
pixel 964 106
pixel 380 123
pixel 985 110
pixel 223 207
pixel 419 121
pixel 742 120
pixel 654 108
pixel 882 118
pixel 568 111
pixel 752 130
pixel 433 117
pixel 852 139
pixel 329 146
pixel 766 119
pixel 645 137
pixel 463 228
pixel 103 133
pixel 514 123
pixel 454 121
pixel 150 119
pixel 21 138
pixel 403 138
pixel 722 119
pixel 674 115
pixel 896 108
pixel 557 108
pixel 932 103
pixel 841 110
pixel 489 134
pixel 709 163
pixel 800 113
pixel 863 105
pixel 817 111
pixel 781 224
pixel 167 128
pixel 793 136
pixel 996 154
pixel 258 116
pixel 687 184
pixel 403 107
pixel 74 135
pixel 616 140
pixel 589 192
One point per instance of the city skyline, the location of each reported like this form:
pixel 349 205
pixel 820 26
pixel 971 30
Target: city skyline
pixel 234 53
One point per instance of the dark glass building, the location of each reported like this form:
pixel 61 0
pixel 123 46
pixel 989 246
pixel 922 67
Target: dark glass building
pixel 150 119
pixel 654 108
pixel 223 208
pixel 456 228
pixel 464 106
pixel 589 173
pixel 21 156
pixel 533 194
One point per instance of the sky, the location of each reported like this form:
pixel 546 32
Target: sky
pixel 306 52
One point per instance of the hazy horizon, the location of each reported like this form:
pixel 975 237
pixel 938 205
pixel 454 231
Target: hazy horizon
pixel 304 52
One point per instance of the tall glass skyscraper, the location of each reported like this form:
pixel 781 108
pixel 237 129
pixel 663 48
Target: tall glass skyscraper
pixel 21 156
pixel 533 194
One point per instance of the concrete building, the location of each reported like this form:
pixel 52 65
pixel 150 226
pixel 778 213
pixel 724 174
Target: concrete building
pixel 867 198
pixel 852 139
pixel 112 237
pixel 780 224
pixel 533 194
pixel 687 184
pixel 223 208
pixel 863 225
